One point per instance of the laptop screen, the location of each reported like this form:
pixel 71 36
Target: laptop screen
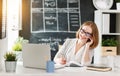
pixel 36 55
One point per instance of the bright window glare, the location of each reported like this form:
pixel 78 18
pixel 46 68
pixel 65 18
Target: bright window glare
pixel 13 21
pixel 14 13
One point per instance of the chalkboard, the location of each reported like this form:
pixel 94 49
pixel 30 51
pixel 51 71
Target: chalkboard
pixel 47 37
pixel 55 16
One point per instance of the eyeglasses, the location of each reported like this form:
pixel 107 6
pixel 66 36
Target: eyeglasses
pixel 86 33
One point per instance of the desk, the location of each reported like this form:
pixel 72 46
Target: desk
pixel 67 71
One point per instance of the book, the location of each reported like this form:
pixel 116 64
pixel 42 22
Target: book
pixel 73 64
pixel 106 23
pixel 99 68
pixel 70 64
pixel 59 66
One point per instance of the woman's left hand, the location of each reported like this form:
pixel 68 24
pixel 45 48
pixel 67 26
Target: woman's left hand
pixel 89 42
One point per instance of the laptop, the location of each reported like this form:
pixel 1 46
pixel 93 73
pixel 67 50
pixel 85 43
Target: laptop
pixel 36 55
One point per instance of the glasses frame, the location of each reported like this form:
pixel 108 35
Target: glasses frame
pixel 86 33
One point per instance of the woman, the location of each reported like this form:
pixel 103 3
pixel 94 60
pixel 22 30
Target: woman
pixel 81 48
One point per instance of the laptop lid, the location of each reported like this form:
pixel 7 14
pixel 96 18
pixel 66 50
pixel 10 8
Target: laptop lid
pixel 36 55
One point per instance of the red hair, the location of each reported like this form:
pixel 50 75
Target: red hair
pixel 95 33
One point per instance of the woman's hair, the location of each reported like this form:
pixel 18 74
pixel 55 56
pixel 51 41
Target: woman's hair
pixel 95 33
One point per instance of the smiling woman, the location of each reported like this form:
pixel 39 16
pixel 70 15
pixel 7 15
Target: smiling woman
pixel 81 48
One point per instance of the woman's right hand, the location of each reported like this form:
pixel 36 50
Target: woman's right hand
pixel 62 60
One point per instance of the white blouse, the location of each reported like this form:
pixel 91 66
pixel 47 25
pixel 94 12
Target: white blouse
pixel 68 52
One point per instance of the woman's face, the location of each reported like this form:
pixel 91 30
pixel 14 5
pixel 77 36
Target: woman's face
pixel 85 33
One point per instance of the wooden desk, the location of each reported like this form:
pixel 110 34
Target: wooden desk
pixel 67 71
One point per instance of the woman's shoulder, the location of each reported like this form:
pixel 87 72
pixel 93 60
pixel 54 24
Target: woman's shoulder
pixel 71 39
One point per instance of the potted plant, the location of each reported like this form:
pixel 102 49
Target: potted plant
pixel 17 47
pixel 109 46
pixel 10 61
pixel 117 4
pixel 18 44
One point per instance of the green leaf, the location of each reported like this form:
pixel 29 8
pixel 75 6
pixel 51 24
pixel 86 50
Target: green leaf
pixel 109 42
pixel 10 56
pixel 117 0
pixel 18 44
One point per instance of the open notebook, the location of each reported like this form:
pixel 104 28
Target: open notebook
pixel 69 64
pixel 102 68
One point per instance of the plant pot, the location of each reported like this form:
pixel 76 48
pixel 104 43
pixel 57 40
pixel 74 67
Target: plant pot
pixel 118 6
pixel 109 50
pixel 19 55
pixel 10 66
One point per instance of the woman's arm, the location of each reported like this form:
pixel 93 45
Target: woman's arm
pixel 60 57
pixel 87 56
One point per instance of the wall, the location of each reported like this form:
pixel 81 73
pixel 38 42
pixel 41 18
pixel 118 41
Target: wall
pixel 3 41
pixel 3 19
pixel 25 32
